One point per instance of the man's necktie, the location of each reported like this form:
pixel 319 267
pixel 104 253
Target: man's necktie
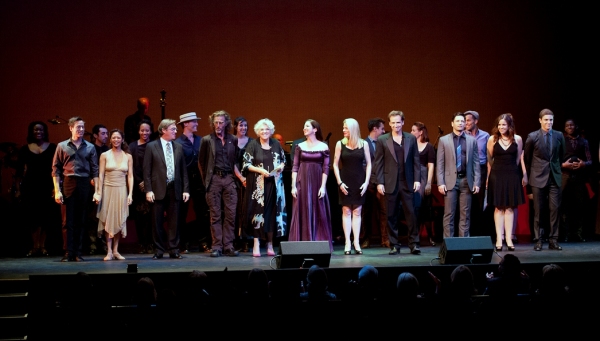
pixel 458 157
pixel 548 149
pixel 170 171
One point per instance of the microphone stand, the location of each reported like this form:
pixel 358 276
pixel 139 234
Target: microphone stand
pixel 163 104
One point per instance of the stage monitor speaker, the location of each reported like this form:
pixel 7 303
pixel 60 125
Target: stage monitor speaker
pixel 303 254
pixel 468 250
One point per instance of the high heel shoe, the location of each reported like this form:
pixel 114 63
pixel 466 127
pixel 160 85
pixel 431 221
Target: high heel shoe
pixel 499 248
pixel 357 250
pixel 510 248
pixel 347 249
pixel 432 242
pixel 118 256
pixel 270 252
pixel 108 257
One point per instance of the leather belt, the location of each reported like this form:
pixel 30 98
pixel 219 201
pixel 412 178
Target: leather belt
pixel 461 175
pixel 222 173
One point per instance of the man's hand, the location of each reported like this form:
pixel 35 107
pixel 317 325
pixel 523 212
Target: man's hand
pixel 186 197
pixel 150 196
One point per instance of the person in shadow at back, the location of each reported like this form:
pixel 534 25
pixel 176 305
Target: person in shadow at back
pixel 316 286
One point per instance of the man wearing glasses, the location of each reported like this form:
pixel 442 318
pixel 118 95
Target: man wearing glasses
pixel 166 184
pixel 217 163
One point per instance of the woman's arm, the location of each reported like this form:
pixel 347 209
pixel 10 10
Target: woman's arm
pixel 129 179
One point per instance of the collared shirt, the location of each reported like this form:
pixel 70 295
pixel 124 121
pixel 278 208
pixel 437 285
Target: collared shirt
pixel 222 160
pixel 72 161
pixel 190 152
pixel 164 146
pixel 482 137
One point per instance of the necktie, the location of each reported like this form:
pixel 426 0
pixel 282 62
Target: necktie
pixel 170 171
pixel 458 156
pixel 548 149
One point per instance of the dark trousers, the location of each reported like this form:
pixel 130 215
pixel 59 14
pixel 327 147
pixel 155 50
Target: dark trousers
pixel 76 203
pixel 198 228
pixel 166 239
pixel 222 190
pixel 374 214
pixel 403 196
pixel 542 197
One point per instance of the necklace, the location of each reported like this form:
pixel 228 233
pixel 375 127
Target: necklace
pixel 505 142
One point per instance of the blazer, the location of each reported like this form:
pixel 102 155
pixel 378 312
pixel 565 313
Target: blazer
pixel 538 163
pixel 206 156
pixel 446 162
pixel 386 164
pixel 155 170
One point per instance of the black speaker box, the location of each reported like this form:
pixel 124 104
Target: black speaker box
pixel 303 254
pixel 468 250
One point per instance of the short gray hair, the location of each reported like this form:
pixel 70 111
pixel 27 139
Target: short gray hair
pixel 264 121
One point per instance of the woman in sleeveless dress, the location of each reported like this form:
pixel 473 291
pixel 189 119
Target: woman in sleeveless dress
pixel 504 183
pixel 115 187
pixel 311 216
pixel 352 169
pixel 34 185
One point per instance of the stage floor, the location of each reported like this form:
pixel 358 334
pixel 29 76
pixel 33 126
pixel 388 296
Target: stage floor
pixel 22 268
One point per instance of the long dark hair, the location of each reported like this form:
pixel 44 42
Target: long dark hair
pixel 315 124
pixel 31 136
pixel 124 145
pixel 511 127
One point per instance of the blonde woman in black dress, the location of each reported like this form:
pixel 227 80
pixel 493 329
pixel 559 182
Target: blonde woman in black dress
pixel 352 169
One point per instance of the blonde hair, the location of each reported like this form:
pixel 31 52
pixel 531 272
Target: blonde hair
pixel 354 140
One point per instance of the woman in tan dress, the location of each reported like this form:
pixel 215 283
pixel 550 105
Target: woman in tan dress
pixel 114 194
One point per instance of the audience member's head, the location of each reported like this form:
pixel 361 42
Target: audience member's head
pixel 258 284
pixel 554 280
pixel 461 282
pixel 145 292
pixel 316 279
pixel 368 277
pixel 407 286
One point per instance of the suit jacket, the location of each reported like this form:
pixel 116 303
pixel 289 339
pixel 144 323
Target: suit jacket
pixel 206 156
pixel 373 179
pixel 155 170
pixel 538 163
pixel 446 162
pixel 386 164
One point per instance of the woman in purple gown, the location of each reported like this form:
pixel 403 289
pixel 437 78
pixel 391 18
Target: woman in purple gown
pixel 311 216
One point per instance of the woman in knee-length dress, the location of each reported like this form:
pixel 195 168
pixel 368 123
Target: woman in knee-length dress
pixel 505 184
pixel 114 194
pixel 311 216
pixel 352 169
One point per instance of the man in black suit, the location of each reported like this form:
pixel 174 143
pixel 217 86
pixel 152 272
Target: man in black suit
pixel 543 153
pixel 166 184
pixel 398 173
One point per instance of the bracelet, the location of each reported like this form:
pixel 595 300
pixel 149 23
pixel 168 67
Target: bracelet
pixel 341 183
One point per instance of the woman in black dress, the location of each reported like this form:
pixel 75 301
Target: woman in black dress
pixel 264 199
pixel 141 214
pixel 505 183
pixel 240 130
pixel 34 185
pixel 352 169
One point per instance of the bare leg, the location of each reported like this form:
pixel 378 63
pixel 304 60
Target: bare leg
pixel 256 248
pixel 347 225
pixel 499 223
pixel 109 255
pixel 356 221
pixel 116 253
pixel 509 218
pixel 270 250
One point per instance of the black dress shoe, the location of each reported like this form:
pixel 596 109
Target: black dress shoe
pixel 538 246
pixel 176 256
pixel 415 250
pixel 231 253
pixel 394 251
pixel 157 256
pixel 215 253
pixel 554 246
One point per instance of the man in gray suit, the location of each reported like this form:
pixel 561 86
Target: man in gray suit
pixel 398 175
pixel 543 153
pixel 458 175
